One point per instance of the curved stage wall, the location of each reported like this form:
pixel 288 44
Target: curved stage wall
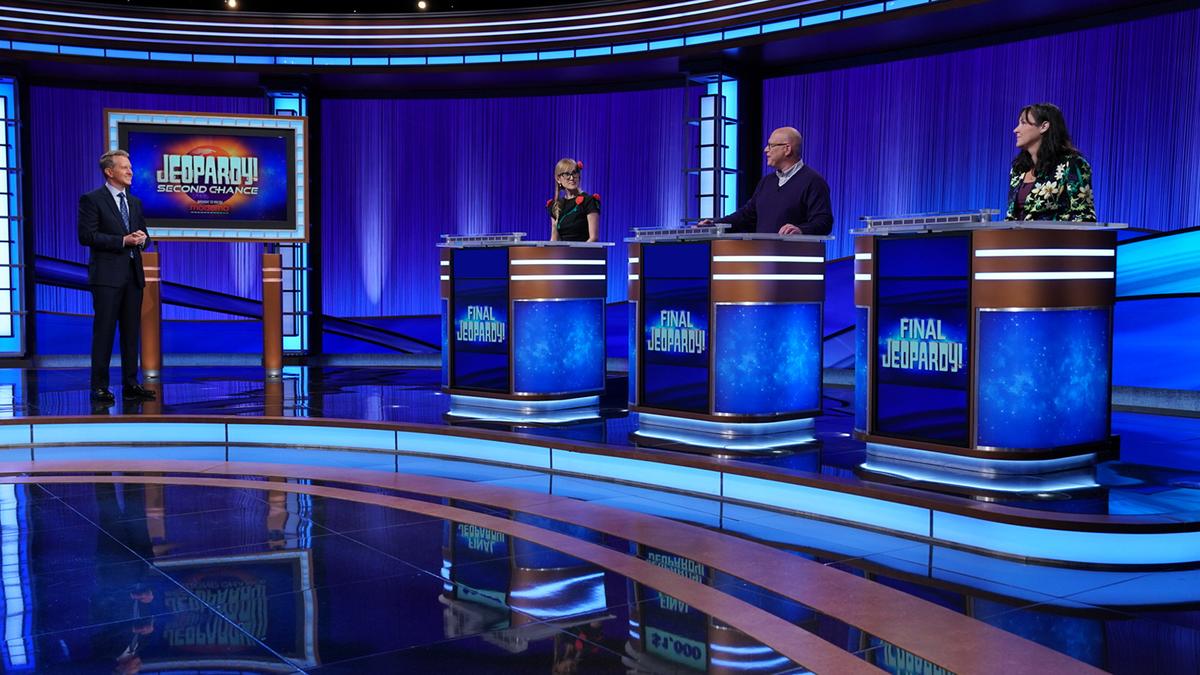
pixel 919 134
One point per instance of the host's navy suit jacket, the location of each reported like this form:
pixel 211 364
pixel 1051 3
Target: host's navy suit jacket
pixel 101 230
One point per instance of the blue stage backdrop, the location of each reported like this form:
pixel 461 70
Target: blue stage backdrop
pixel 67 137
pixel 397 174
pixel 935 133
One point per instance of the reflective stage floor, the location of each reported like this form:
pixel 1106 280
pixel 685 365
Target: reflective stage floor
pixel 213 567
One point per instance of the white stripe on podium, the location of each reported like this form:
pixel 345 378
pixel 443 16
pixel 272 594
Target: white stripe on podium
pixel 557 277
pixel 556 261
pixel 1045 252
pixel 768 277
pixel 1040 276
pixel 769 258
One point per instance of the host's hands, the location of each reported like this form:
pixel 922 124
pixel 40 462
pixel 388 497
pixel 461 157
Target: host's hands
pixel 135 238
pixel 790 229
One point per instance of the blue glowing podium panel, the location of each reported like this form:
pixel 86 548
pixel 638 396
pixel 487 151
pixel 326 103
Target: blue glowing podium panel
pixel 675 310
pixel 862 366
pixel 556 346
pixel 479 330
pixel 923 309
pixel 1043 377
pixel 523 321
pixel 768 358
pixel 986 340
pixel 726 328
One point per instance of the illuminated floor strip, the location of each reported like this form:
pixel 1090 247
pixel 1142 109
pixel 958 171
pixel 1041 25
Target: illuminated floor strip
pixel 1043 537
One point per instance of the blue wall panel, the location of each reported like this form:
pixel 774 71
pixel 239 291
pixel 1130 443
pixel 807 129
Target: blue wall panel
pixel 1156 343
pixel 1159 265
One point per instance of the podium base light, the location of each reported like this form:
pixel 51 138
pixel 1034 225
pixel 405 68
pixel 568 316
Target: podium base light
pixel 892 459
pixel 723 438
pixel 561 411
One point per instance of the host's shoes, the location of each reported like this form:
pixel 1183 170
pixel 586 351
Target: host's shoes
pixel 138 392
pixel 102 396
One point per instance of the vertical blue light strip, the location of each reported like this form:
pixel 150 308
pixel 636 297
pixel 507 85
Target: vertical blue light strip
pixel 295 256
pixel 729 89
pixel 12 304
pixel 17 647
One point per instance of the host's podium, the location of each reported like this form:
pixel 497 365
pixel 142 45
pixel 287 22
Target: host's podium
pixel 984 346
pixel 725 334
pixel 523 326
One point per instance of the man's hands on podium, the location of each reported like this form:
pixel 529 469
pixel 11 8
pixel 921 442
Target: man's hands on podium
pixel 135 238
pixel 789 228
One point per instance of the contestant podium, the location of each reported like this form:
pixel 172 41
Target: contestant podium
pixel 523 327
pixel 983 346
pixel 725 335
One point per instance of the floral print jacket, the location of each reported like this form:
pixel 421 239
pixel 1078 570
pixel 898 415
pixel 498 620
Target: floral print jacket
pixel 1065 193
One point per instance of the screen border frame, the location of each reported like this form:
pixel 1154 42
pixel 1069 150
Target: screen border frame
pixel 298 180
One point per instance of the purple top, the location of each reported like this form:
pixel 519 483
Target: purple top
pixel 1022 195
pixel 803 201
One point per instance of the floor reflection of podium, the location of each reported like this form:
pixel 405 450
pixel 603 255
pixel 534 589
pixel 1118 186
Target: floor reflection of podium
pixel 523 327
pixel 983 346
pixel 725 338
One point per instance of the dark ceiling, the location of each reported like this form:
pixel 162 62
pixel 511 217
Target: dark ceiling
pixel 350 6
pixel 932 28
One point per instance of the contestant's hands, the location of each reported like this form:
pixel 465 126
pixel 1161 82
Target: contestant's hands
pixel 704 222
pixel 789 229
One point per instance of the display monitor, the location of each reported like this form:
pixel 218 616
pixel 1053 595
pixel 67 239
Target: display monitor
pixel 215 177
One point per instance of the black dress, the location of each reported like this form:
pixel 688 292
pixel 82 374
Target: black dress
pixel 572 222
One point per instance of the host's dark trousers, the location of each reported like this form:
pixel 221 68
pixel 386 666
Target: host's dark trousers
pixel 116 306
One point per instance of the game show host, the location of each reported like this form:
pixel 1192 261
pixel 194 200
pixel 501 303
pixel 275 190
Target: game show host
pixel 792 199
pixel 113 227
pixel 1049 178
pixel 574 214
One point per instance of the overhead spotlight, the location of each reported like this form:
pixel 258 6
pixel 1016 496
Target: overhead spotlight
pixel 231 4
pixel 421 4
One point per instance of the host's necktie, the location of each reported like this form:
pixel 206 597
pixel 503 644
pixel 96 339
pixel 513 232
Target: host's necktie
pixel 124 215
pixel 124 211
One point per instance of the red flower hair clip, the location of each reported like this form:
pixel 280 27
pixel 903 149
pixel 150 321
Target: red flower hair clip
pixel 578 164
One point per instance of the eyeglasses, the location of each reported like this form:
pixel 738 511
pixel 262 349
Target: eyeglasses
pixel 570 174
pixel 775 145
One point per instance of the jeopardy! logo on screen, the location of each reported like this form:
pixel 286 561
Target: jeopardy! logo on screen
pixel 480 325
pixel 922 345
pixel 676 333
pixel 209 175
